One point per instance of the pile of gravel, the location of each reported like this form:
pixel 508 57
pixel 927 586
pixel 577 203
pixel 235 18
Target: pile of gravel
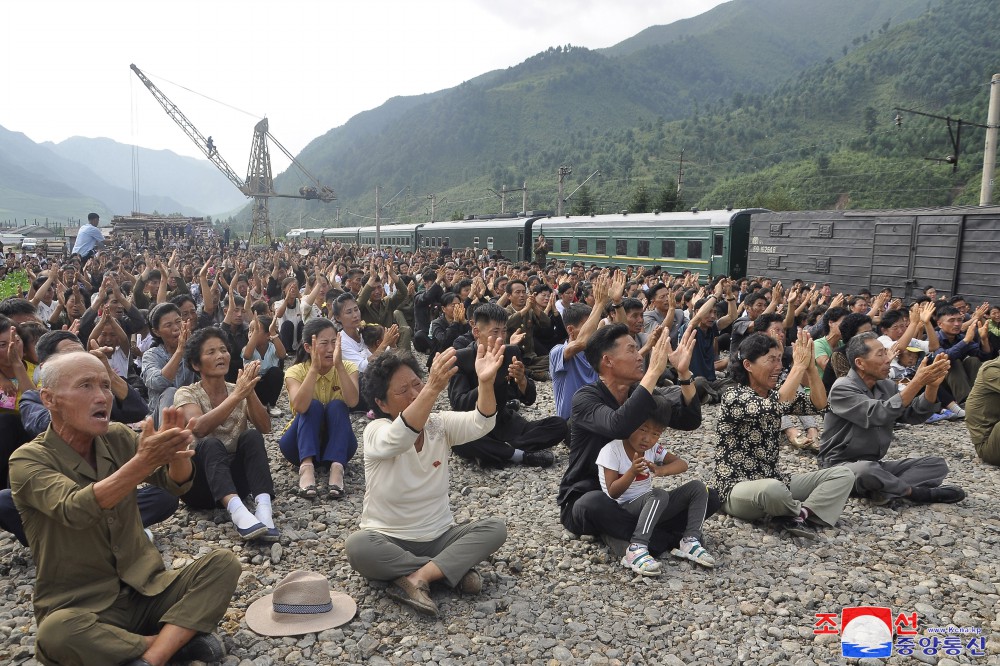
pixel 550 598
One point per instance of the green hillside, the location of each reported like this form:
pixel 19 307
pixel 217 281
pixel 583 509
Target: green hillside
pixel 822 137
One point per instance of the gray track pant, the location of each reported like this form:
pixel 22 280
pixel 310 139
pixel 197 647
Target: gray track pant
pixel 379 557
pixel 662 505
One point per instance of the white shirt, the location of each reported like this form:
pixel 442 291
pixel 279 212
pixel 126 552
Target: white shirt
pixel 406 491
pixel 355 351
pixel 614 457
pixel 922 345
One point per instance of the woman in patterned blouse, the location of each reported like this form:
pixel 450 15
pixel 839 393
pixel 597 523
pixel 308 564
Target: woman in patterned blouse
pixel 746 463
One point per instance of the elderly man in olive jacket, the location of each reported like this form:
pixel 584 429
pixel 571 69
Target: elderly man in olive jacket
pixel 102 593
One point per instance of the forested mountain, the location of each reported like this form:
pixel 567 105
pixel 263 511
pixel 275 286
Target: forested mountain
pixel 780 102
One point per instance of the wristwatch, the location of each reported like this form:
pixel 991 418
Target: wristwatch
pixel 686 382
pixel 617 305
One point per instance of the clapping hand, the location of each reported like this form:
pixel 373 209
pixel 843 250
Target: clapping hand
pixel 517 337
pixel 443 369
pixel 802 351
pixel 680 358
pixel 489 360
pixel 169 443
pixel 516 372
pixel 932 373
pixel 247 378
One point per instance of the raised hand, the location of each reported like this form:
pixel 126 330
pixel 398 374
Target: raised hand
pixel 489 360
pixel 517 337
pixel 927 313
pixel 442 370
pixel 933 373
pixel 516 372
pixel 660 354
pixel 802 350
pixel 247 378
pixel 15 348
pixel 171 442
pixel 680 358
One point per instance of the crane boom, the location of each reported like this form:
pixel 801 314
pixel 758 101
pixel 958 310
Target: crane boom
pixel 199 139
pixel 259 183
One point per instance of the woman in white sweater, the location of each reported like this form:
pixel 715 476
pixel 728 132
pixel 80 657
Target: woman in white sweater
pixel 408 534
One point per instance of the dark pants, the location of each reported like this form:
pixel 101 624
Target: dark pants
pixel 269 387
pixel 290 335
pixel 155 506
pixel 514 432
pixel 595 513
pixel 14 435
pixel 219 473
pixel 422 342
pixel 323 432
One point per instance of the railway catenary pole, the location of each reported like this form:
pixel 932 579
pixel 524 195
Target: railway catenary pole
pixel 563 172
pixel 524 197
pixel 378 226
pixel 992 134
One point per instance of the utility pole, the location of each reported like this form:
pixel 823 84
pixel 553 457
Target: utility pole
pixel 503 198
pixel 680 175
pixel 992 134
pixel 433 198
pixel 563 172
pixel 524 197
pixel 378 226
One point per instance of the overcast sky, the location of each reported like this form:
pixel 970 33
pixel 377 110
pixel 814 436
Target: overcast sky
pixel 309 65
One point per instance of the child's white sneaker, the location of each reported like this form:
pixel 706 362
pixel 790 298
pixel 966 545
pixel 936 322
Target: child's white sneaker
pixel 691 549
pixel 638 559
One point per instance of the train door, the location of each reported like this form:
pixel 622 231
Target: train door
pixel 718 258
pixel 739 246
pixel 891 250
pixel 935 254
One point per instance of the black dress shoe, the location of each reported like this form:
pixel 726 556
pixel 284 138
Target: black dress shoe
pixel 203 647
pixel 137 662
pixel 542 458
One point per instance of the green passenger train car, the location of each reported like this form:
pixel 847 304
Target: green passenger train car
pixel 712 242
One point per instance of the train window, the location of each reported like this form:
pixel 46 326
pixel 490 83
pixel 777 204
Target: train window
pixel 621 247
pixel 447 240
pixel 548 243
pixel 718 247
pixel 489 242
pixel 600 246
pixel 475 241
pixel 520 239
pixel 564 245
pixel 642 248
pixel 694 249
pixel 668 248
pixel 581 245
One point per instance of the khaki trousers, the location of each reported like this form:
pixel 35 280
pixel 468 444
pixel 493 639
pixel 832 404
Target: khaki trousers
pixel 824 492
pixel 197 599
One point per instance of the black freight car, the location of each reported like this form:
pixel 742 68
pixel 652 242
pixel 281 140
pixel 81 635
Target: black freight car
pixel 955 250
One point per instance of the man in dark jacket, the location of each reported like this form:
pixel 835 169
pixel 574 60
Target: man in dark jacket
pixel 424 304
pixel 613 408
pixel 514 439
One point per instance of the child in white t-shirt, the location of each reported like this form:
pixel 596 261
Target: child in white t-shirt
pixel 626 469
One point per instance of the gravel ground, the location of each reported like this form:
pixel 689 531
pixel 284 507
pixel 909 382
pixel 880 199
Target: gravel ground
pixel 550 598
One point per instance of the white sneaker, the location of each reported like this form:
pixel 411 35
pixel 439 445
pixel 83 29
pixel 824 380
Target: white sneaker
pixel 956 414
pixel 274 411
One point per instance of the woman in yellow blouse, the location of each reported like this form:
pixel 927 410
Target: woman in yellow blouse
pixel 322 389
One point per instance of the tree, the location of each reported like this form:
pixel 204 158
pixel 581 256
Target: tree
pixel 584 202
pixel 640 200
pixel 667 200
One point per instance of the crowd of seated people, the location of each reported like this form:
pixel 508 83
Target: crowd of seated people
pixel 179 361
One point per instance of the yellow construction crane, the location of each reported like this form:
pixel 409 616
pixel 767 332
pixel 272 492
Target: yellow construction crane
pixel 259 183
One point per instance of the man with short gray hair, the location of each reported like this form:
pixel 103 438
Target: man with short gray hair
pixel 102 594
pixel 864 406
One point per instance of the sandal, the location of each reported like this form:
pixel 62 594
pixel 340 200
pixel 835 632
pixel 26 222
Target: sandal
pixel 336 490
pixel 695 552
pixel 638 559
pixel 307 480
